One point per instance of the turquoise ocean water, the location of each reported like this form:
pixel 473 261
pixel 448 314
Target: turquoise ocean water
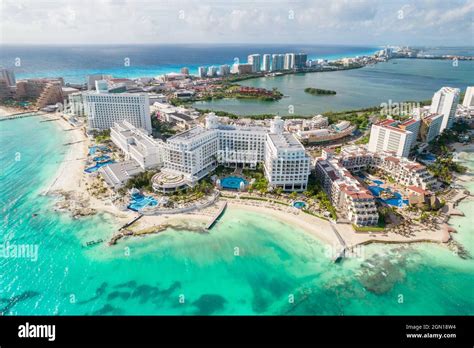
pixel 151 275
pixel 75 62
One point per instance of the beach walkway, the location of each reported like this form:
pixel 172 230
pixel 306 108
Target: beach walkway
pixel 218 214
pixel 20 115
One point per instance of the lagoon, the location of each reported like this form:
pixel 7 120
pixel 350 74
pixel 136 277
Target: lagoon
pixel 397 80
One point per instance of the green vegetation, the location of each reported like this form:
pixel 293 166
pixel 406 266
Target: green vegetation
pixel 445 166
pixel 439 146
pixel 359 118
pixel 319 91
pixel 363 140
pixel 101 136
pixel 231 90
pixel 190 194
pixel 368 228
pixel 141 181
pixel 161 129
pixel 254 198
pixel 261 182
pixel 223 171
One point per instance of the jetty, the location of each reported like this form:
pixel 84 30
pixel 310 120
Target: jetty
pixel 20 115
pixel 340 255
pixel 131 222
pixel 217 216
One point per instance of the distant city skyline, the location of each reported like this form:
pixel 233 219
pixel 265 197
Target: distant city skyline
pixel 343 22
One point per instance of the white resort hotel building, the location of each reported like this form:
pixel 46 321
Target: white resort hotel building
pixel 103 109
pixel 189 156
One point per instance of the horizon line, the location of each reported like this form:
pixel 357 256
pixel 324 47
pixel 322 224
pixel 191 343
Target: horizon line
pixel 226 44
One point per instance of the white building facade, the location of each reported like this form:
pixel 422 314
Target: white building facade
pixel 286 165
pixel 392 136
pixel 103 110
pixel 137 145
pixel 445 102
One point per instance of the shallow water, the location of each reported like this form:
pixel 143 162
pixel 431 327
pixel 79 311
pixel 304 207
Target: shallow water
pixel 247 264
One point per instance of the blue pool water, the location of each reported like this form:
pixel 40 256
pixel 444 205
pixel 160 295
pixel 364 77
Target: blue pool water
pixel 232 182
pixel 299 204
pixel 93 149
pixel 397 200
pixel 429 157
pixel 376 190
pixel 377 182
pixel 101 158
pixel 97 166
pixel 139 201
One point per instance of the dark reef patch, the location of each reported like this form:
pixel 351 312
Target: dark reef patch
pixel 209 304
pixel 98 293
pixel 11 302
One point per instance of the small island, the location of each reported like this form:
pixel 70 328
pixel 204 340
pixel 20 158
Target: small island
pixel 318 91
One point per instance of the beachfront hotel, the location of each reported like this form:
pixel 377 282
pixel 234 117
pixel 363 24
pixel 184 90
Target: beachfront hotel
pixel 334 172
pixel 445 102
pixel 287 165
pixel 104 109
pixel 394 136
pixel 345 192
pixel 239 146
pixel 137 145
pixel 401 169
pixel 195 153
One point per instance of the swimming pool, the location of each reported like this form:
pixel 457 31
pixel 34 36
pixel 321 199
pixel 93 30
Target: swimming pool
pixel 93 149
pixel 299 204
pixel 429 157
pixel 378 182
pixel 376 190
pixel 233 182
pixel 139 201
pixel 101 158
pixel 396 201
pixel 97 166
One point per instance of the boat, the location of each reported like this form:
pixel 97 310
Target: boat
pixel 93 242
pixel 34 215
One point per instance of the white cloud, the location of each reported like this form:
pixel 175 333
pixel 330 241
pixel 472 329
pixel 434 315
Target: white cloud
pixel 212 21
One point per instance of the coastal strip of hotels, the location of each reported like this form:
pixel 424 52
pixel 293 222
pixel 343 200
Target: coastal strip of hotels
pixel 149 158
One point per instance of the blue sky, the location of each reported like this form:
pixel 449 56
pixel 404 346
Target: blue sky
pixel 357 22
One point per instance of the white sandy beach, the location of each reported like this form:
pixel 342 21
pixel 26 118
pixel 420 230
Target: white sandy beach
pixel 70 176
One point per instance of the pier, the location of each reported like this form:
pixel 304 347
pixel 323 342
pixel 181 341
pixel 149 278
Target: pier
pixel 342 253
pixel 19 115
pixel 131 222
pixel 217 216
